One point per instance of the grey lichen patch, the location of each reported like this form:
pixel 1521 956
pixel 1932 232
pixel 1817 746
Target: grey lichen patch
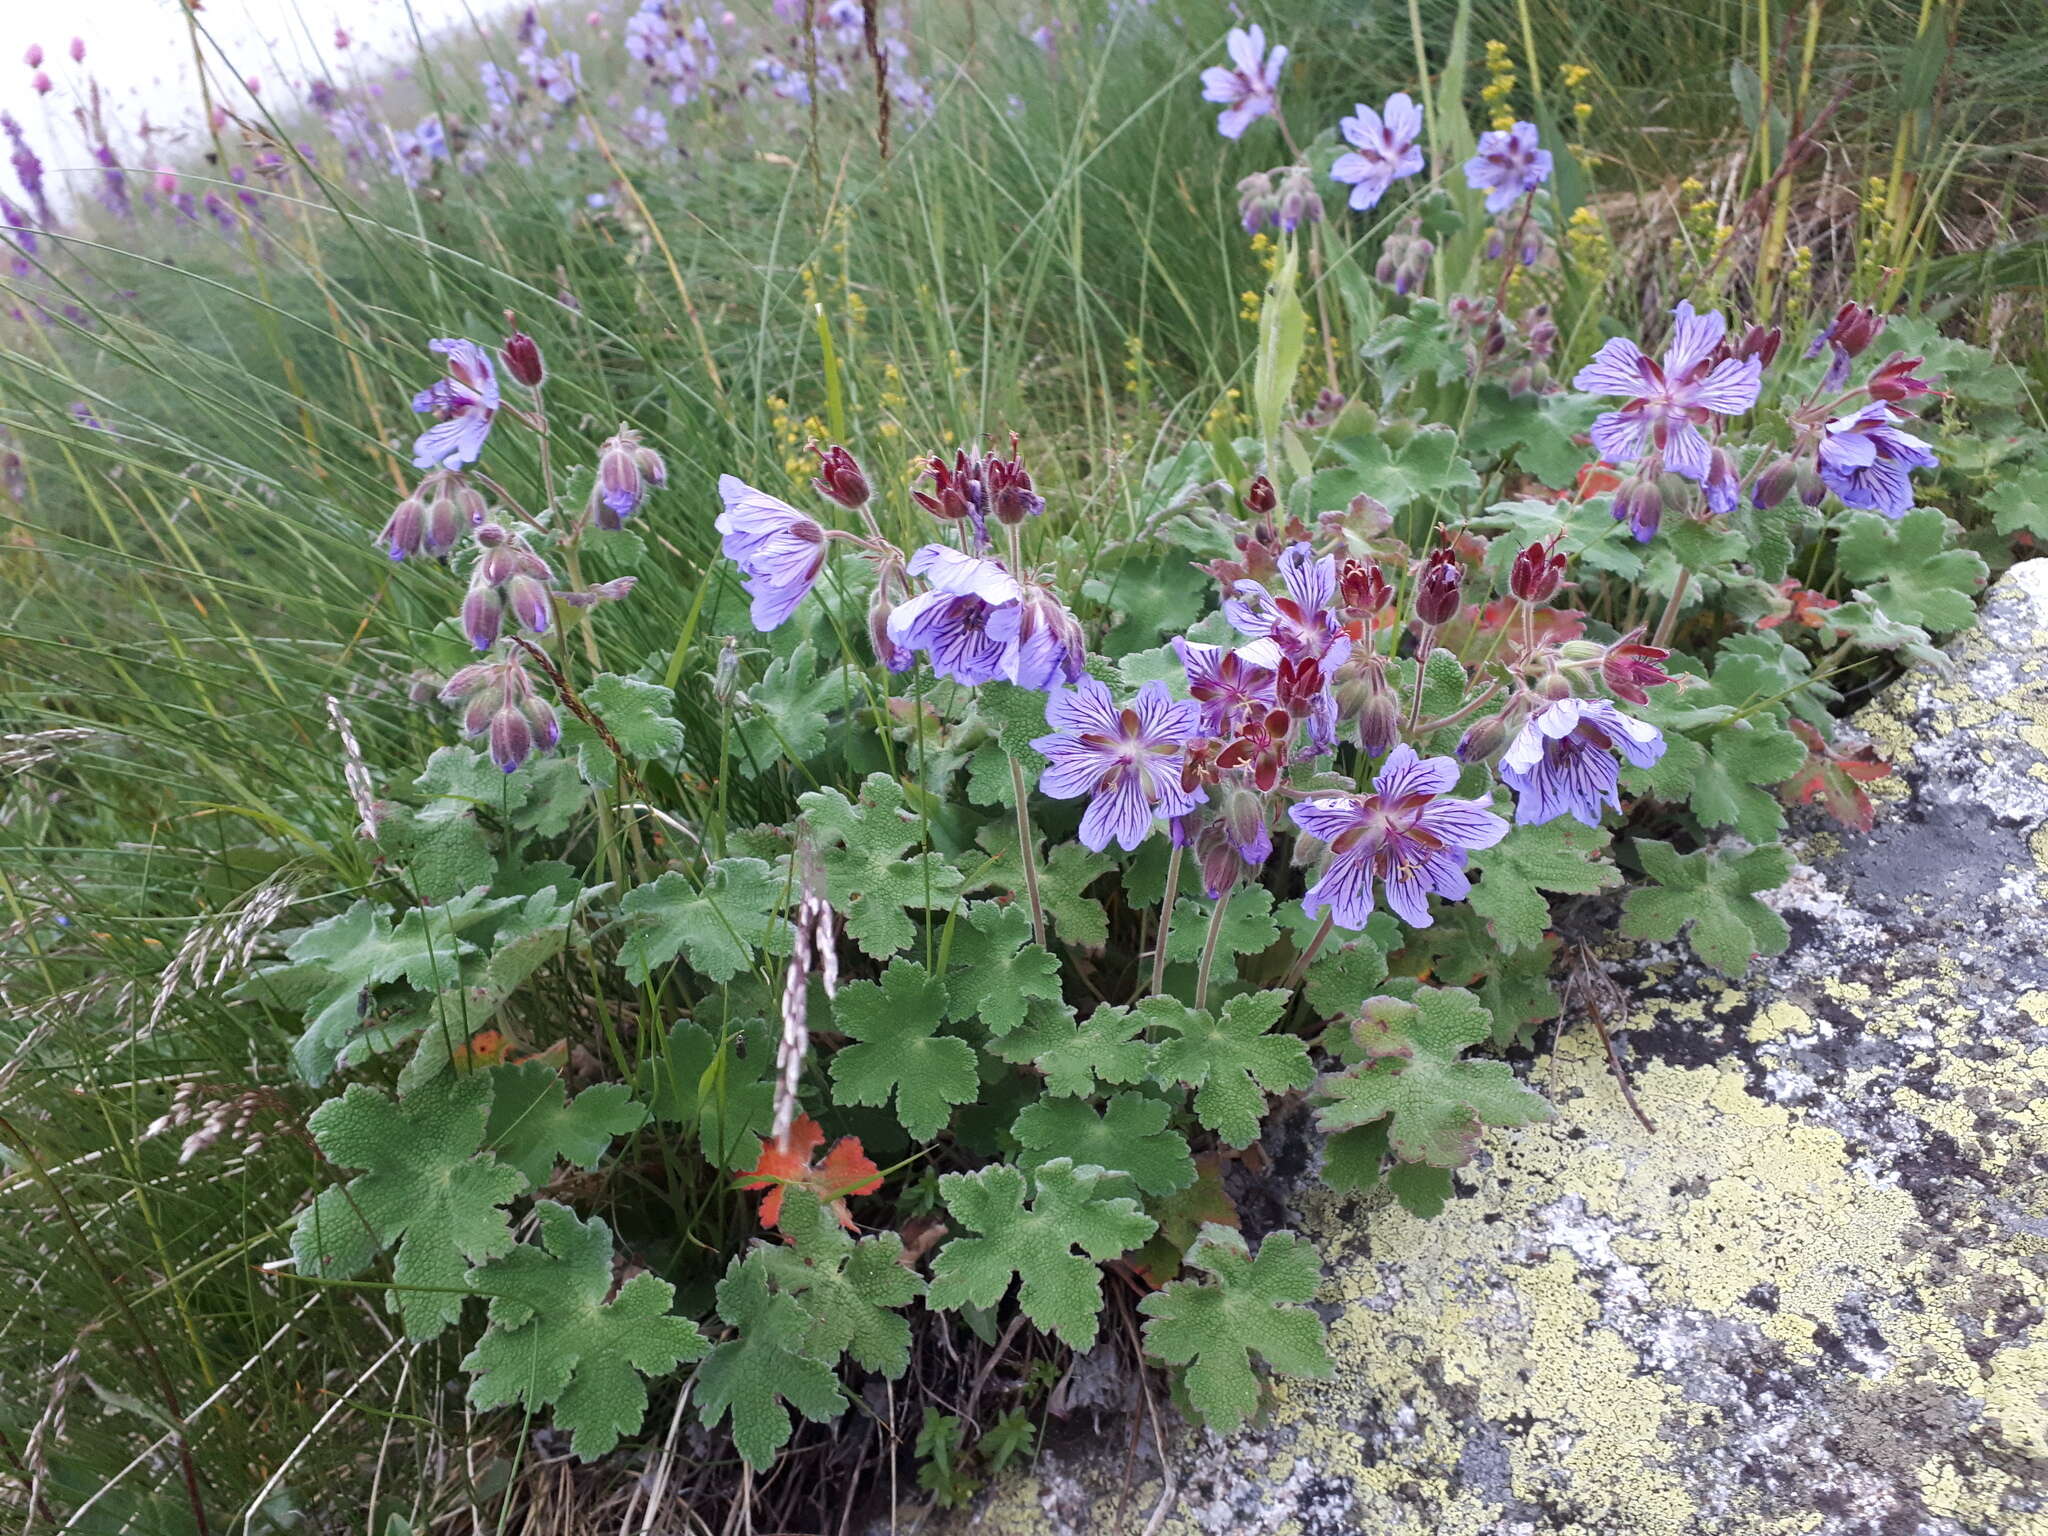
pixel 1815 1301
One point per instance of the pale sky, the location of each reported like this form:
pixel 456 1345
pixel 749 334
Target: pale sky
pixel 140 51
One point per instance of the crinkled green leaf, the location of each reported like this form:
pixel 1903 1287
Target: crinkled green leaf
pixel 897 1050
pixel 868 877
pixel 1538 429
pixel 1061 1288
pixel 1255 1305
pixel 1248 929
pixel 752 1375
pixel 1713 894
pixel 789 713
pixel 427 1185
pixel 1559 855
pixel 1410 1074
pixel 533 1120
pixel 1903 565
pixel 1232 1063
pixel 555 1339
pixel 993 970
pixel 705 1084
pixel 641 717
pixel 1077 1054
pixel 718 925
pixel 851 1290
pixel 1426 467
pixel 1129 1136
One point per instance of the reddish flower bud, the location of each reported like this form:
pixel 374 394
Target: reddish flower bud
pixel 1758 343
pixel 839 478
pixel 521 356
pixel 528 601
pixel 34 57
pixel 1854 328
pixel 1011 495
pixel 491 535
pixel 1894 379
pixel 1379 722
pixel 1297 685
pixel 1364 588
pixel 1629 668
pixel 881 604
pixel 1260 497
pixel 1537 573
pixel 1436 594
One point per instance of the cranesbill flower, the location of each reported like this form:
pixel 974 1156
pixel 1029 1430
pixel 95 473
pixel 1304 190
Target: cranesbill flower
pixel 1668 403
pixel 780 550
pixel 1050 647
pixel 968 622
pixel 1865 460
pixel 1510 162
pixel 1383 149
pixel 1250 87
pixel 463 405
pixel 1300 626
pixel 1126 761
pixel 1227 686
pixel 1562 761
pixel 1409 834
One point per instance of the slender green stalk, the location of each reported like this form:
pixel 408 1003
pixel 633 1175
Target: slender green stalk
pixel 1210 940
pixel 1165 921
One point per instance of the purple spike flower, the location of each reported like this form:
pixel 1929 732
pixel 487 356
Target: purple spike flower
pixel 1384 149
pixel 463 404
pixel 1865 460
pixel 1126 761
pixel 1249 89
pixel 1510 162
pixel 1225 684
pixel 1562 761
pixel 968 622
pixel 1300 626
pixel 1408 834
pixel 1668 404
pixel 780 549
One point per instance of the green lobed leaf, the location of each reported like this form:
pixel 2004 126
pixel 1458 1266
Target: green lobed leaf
pixel 1255 1305
pixel 555 1339
pixel 898 1052
pixel 1410 1074
pixel 993 972
pixel 1906 570
pixel 1128 1136
pixel 850 1290
pixel 1078 1054
pixel 1231 1061
pixel 752 1375
pixel 534 1122
pixel 427 1186
pixel 868 878
pixel 718 926
pixel 1559 855
pixel 640 716
pixel 705 1084
pixel 1248 929
pixel 1426 467
pixel 1713 894
pixel 1052 1248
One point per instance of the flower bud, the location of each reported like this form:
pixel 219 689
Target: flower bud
pixel 1364 588
pixel 527 598
pixel 1241 817
pixel 1259 497
pixel 483 615
pixel 1640 504
pixel 1298 684
pixel 491 535
pixel 1894 379
pixel 1011 496
pixel 1854 328
pixel 444 526
pixel 1221 864
pixel 1300 202
pixel 1255 202
pixel 619 485
pixel 1537 573
pixel 839 478
pixel 547 727
pixel 1723 485
pixel 1759 343
pixel 34 57
pixel 725 673
pixel 40 83
pixel 1553 686
pixel 1629 668
pixel 78 50
pixel 1482 739
pixel 1812 489
pixel 1774 484
pixel 511 738
pixel 1436 594
pixel 405 530
pixel 1379 722
pixel 521 356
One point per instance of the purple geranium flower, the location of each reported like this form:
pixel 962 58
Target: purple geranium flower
pixel 1668 404
pixel 1248 90
pixel 1126 761
pixel 1562 763
pixel 780 549
pixel 463 405
pixel 968 623
pixel 1385 150
pixel 1865 460
pixel 1300 626
pixel 1050 648
pixel 1510 162
pixel 1408 834
pixel 1225 684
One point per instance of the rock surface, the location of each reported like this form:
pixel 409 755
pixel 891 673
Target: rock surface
pixel 1812 1302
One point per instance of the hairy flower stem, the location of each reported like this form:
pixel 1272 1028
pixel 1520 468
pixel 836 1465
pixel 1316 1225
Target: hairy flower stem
pixel 1299 971
pixel 1422 650
pixel 1215 936
pixel 1670 620
pixel 1507 256
pixel 1165 921
pixel 1027 853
